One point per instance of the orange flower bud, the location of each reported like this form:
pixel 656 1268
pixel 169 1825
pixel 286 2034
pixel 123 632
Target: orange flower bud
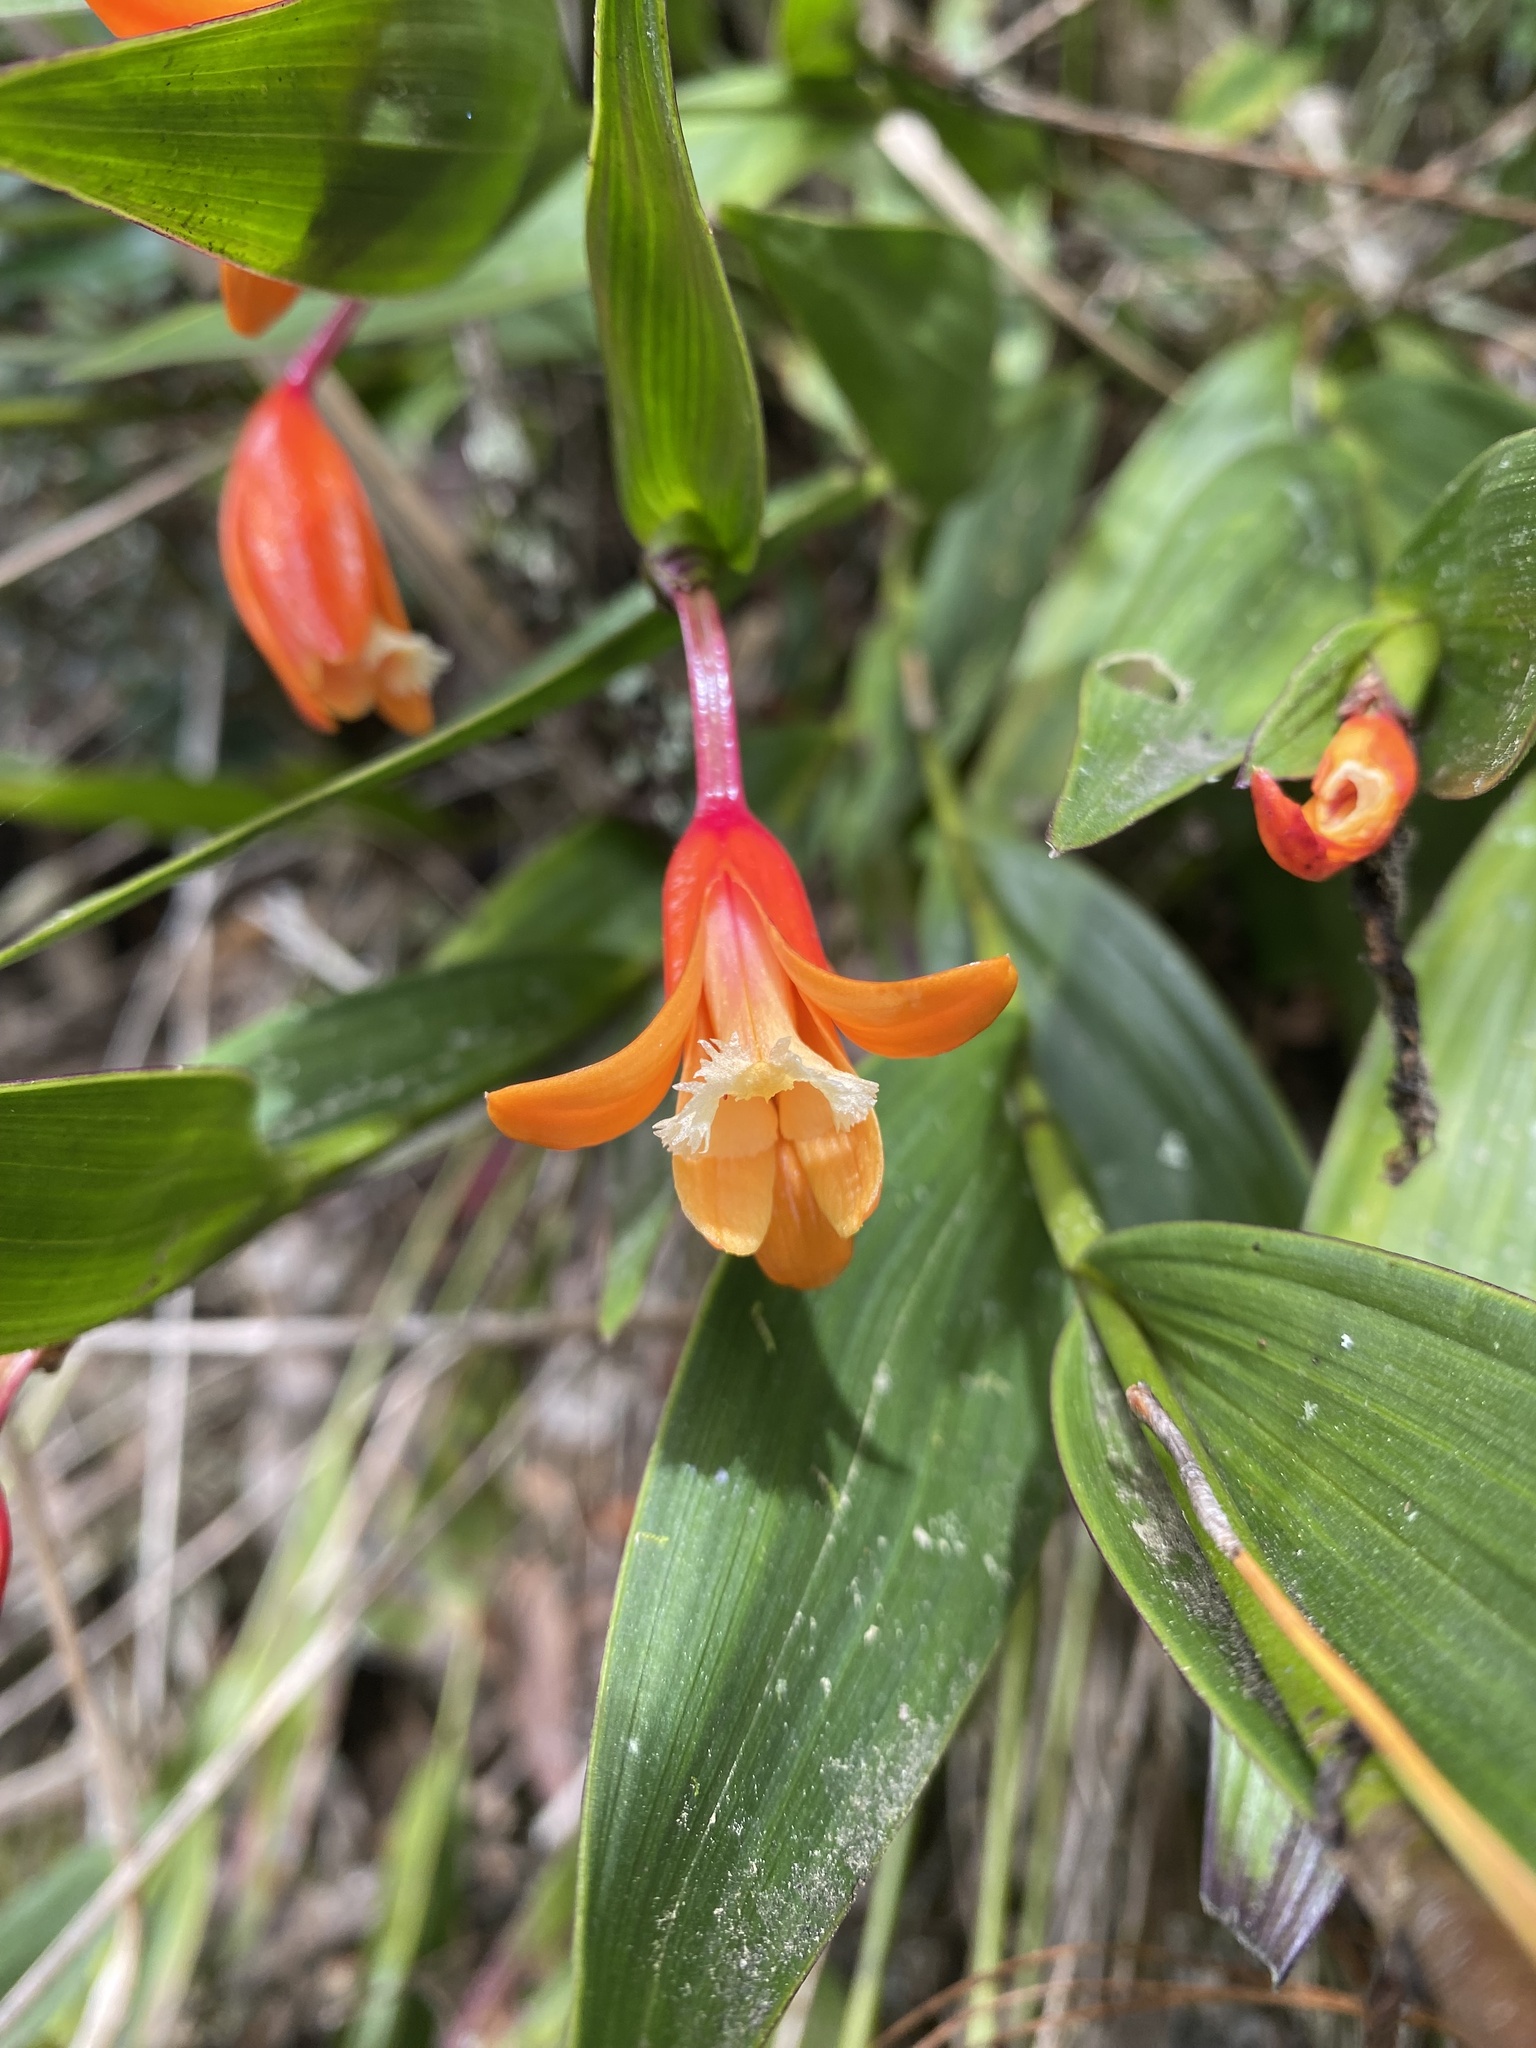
pixel 1363 784
pixel 309 576
pixel 253 302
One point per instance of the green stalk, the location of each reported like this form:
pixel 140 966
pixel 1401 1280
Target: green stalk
pixel 862 2011
pixel 1084 1578
pixel 989 1930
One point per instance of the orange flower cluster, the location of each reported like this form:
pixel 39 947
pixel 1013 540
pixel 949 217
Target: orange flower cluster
pixel 1364 783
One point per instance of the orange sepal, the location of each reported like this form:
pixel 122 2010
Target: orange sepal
pixel 905 1020
pixel 801 1248
pixel 1364 783
pixel 253 302
pixel 596 1103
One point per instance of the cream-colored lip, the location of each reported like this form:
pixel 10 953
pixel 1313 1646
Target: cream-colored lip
pixel 730 1070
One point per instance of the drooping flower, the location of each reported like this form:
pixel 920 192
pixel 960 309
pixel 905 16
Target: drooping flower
pixel 251 302
pixel 309 576
pixel 1362 786
pixel 775 1146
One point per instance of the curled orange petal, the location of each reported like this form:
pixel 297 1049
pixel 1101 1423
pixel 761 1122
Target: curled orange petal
pixel 596 1103
pixel 906 1020
pixel 1362 786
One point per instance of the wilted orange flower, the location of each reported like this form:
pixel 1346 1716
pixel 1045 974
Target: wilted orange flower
pixel 251 302
pixel 309 576
pixel 1363 784
pixel 775 1146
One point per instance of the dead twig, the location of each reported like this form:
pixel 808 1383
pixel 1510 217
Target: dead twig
pixel 1020 34
pixel 95 522
pixel 1377 888
pixel 912 146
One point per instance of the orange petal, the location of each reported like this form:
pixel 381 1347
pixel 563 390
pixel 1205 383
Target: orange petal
pixel 801 1248
pixel 906 1020
pixel 290 671
pixel 252 302
pixel 845 1169
pixel 596 1103
pixel 1288 835
pixel 730 1202
pixel 1364 783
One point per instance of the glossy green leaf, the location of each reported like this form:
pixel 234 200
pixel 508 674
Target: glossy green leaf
pixel 749 137
pixel 115 1187
pixel 367 145
pixel 1471 1203
pixel 1470 566
pixel 686 426
pixel 84 798
pixel 844 1491
pixel 1368 1420
pixel 630 627
pixel 1260 566
pixel 1303 718
pixel 905 318
pixel 1141 1528
pixel 1169 1112
pixel 346 1078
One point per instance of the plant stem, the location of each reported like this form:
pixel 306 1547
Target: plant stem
pixel 1070 1213
pixel 1068 1666
pixel 716 747
pixel 862 2011
pixel 988 1932
pixel 323 347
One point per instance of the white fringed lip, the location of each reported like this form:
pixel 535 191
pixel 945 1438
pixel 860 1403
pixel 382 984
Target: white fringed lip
pixel 730 1070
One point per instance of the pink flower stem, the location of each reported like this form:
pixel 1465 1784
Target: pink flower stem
pixel 322 348
pixel 716 749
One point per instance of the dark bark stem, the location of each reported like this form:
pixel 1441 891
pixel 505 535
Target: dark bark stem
pixel 1377 889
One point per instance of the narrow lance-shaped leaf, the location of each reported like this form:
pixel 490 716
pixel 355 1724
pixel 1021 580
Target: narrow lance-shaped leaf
pixel 686 426
pixel 844 1493
pixel 367 145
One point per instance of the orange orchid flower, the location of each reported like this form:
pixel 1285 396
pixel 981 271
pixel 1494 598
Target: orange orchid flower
pixel 775 1145
pixel 1363 784
pixel 308 572
pixel 251 302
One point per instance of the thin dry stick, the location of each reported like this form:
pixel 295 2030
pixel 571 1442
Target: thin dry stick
pixel 258 1336
pixel 41 550
pixel 57 1781
pixel 112 1992
pixel 451 589
pixel 1139 131
pixel 913 147
pixel 292 1684
pixel 1017 37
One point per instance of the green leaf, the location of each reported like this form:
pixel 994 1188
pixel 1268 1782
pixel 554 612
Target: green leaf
pixel 1166 1107
pixel 991 550
pixel 346 1078
pixel 1297 727
pixel 1469 567
pixel 844 1492
pixel 1367 1419
pixel 630 627
pixel 683 409
pixel 84 798
pixel 596 888
pixel 749 136
pixel 1467 1205
pixel 1260 566
pixel 904 317
pixel 1265 1872
pixel 366 145
pixel 1139 1525
pixel 1412 434
pixel 1242 88
pixel 1241 400
pixel 116 1187
pixel 818 38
